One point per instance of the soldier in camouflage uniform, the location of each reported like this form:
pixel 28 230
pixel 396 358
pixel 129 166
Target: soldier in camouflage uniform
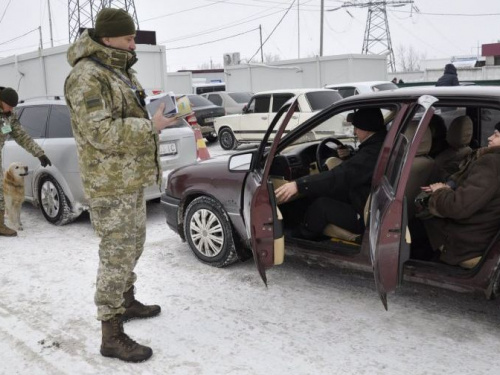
pixel 118 157
pixel 10 126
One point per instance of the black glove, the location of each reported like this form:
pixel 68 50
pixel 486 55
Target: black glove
pixel 44 161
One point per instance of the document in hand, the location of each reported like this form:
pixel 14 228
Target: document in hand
pixel 183 106
pixel 170 105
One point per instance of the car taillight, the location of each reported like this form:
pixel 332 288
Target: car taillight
pixel 191 119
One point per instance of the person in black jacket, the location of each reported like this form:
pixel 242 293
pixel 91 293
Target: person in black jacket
pixel 449 78
pixel 339 195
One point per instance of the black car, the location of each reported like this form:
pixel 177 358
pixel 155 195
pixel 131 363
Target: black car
pixel 205 112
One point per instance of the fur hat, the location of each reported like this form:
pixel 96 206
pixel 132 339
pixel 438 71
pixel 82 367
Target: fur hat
pixel 369 119
pixel 9 96
pixel 111 22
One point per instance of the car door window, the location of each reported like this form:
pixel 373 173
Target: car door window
pixel 279 100
pixel 260 104
pixel 319 100
pixel 60 123
pixel 216 99
pixel 489 118
pixel 34 120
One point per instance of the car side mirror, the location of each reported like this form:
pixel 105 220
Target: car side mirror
pixel 240 162
pixel 245 108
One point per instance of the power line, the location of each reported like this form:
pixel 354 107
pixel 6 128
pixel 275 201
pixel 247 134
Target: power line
pixel 183 11
pixel 275 27
pixel 450 14
pixel 5 11
pixel 18 37
pixel 212 41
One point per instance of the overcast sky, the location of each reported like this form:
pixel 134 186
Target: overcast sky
pixel 196 32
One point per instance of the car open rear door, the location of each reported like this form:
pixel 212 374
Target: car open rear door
pixel 387 228
pixel 262 218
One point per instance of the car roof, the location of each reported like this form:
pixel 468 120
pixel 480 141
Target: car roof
pixel 291 91
pixel 451 92
pixel 42 101
pixel 359 83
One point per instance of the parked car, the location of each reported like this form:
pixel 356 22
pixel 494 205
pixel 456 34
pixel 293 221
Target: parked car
pixel 356 88
pixel 206 112
pixel 58 189
pixel 226 210
pixel 251 125
pixel 232 102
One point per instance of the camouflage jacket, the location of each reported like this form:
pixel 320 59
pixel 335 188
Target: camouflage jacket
pixel 117 143
pixel 18 134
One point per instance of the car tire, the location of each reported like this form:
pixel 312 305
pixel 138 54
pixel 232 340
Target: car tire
pixel 53 202
pixel 211 138
pixel 209 233
pixel 227 139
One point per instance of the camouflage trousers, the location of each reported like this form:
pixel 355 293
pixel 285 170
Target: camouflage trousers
pixel 120 222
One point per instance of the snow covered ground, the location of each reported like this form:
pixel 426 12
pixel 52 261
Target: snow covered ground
pixel 310 320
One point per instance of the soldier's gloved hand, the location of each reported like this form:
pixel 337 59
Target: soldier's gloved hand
pixel 44 160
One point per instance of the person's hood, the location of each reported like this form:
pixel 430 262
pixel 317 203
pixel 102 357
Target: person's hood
pixel 86 46
pixel 450 69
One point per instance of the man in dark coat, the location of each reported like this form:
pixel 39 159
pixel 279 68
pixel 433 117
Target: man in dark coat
pixel 449 78
pixel 340 194
pixel 468 216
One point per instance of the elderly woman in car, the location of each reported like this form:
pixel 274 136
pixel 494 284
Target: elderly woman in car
pixel 467 208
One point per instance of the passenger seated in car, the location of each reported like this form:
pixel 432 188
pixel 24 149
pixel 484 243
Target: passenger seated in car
pixel 467 209
pixel 339 195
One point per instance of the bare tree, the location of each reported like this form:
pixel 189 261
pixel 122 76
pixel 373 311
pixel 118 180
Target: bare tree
pixel 408 59
pixel 270 57
pixel 210 65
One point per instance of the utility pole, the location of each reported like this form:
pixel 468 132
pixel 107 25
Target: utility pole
pixel 321 28
pixel 261 46
pixel 377 38
pixel 41 40
pixel 50 25
pixel 298 29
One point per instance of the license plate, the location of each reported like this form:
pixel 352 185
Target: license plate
pixel 168 148
pixel 209 119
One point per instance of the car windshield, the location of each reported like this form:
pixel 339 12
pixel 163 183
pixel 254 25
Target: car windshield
pixel 240 97
pixel 198 101
pixel 321 99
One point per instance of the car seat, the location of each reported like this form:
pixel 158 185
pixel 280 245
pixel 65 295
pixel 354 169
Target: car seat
pixel 422 168
pixel 438 131
pixel 458 137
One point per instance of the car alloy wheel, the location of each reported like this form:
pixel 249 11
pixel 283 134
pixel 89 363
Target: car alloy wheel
pixel 209 233
pixel 227 139
pixel 53 202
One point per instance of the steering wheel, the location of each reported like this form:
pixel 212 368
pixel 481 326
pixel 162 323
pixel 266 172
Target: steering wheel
pixel 324 151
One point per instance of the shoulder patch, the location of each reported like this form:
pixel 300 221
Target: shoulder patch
pixel 93 101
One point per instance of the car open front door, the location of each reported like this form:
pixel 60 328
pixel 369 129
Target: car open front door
pixel 262 218
pixel 389 247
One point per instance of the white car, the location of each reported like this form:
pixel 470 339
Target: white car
pixel 58 189
pixel 356 88
pixel 252 124
pixel 232 102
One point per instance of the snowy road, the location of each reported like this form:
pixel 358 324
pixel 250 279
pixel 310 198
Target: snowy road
pixel 310 320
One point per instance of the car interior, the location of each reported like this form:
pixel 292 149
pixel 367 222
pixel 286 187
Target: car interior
pixel 466 128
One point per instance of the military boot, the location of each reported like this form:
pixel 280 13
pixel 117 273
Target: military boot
pixel 5 230
pixel 136 310
pixel 116 344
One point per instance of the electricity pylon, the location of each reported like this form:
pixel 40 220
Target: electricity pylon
pixel 377 38
pixel 82 13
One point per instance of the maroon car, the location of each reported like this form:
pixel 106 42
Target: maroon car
pixel 225 208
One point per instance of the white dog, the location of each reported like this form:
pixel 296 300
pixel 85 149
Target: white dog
pixel 13 190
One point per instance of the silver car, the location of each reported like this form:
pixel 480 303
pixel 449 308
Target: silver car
pixel 232 102
pixel 58 189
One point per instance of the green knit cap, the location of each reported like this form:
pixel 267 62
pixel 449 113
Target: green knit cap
pixel 9 96
pixel 111 22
